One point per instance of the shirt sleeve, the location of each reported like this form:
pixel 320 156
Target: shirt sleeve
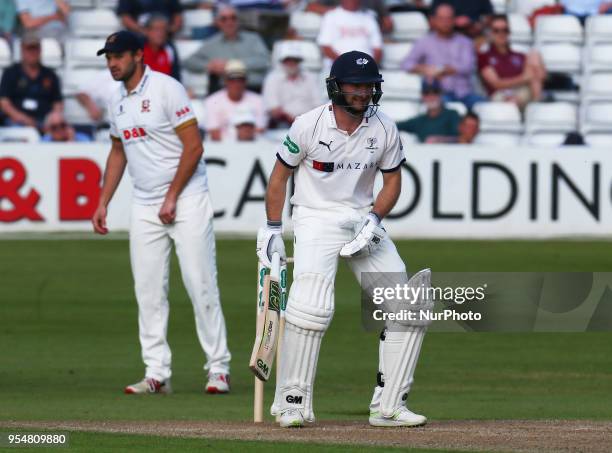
pixel 213 116
pixel 416 55
pixel 270 92
pixel 177 105
pixel 375 34
pixel 114 133
pixel 326 32
pixel 6 85
pixel 393 155
pixel 292 150
pixel 56 91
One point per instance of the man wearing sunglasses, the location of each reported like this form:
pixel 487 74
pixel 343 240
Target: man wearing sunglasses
pixel 508 75
pixel 58 130
pixel 231 43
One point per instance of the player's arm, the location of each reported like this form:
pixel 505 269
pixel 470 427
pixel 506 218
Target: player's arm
pixel 115 166
pixel 189 135
pixel 276 192
pixel 389 194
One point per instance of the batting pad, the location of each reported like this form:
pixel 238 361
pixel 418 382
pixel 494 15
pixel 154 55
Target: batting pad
pixel 311 302
pixel 298 365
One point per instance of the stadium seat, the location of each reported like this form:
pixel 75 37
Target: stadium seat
pixel 458 107
pixel 73 81
pixel 409 26
pixel 558 28
pixel 96 23
pixel 309 51
pixel 561 57
pixel 5 54
pixel 102 135
pixel 598 29
pixel 597 88
pixel 51 52
pixel 598 58
pixel 81 53
pixel 545 139
pixel 195 18
pixel 497 139
pixel 599 140
pixel 597 118
pixel 408 139
pixel 75 113
pixel 399 110
pixel 187 47
pixel 499 117
pixel 561 117
pixel 19 134
pixel 401 85
pixel 305 23
pixel 82 4
pixel 110 4
pixel 526 7
pixel 394 53
pixel 520 30
pixel 500 6
pixel 197 83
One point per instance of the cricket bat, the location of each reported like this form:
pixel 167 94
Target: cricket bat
pixel 268 322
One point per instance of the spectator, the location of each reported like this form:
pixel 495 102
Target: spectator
pixel 134 13
pixel 471 16
pixel 438 124
pixel 288 91
pixel 58 130
pixel 508 75
pixel 8 13
pixel 29 90
pixel 231 43
pixel 377 7
pixel 585 8
pixel 47 17
pixel 268 18
pixel 347 28
pixel 244 123
pixel 469 127
pixel 159 52
pixel 445 56
pixel 222 106
pixel 95 94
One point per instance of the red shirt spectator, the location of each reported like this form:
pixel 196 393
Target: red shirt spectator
pixel 506 65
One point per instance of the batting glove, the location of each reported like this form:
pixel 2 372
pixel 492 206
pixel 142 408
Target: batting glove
pixel 270 240
pixel 367 239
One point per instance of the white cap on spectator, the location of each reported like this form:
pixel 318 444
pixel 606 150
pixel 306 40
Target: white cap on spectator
pixel 243 116
pixel 235 69
pixel 290 50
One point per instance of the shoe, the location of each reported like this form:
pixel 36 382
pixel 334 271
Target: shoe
pixel 149 385
pixel 401 417
pixel 218 383
pixel 291 418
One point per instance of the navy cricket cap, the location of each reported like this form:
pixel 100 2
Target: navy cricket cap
pixel 121 41
pixel 355 67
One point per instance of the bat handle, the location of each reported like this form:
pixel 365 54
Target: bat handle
pixel 275 269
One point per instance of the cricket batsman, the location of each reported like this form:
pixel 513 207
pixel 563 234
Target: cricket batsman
pixel 335 152
pixel 155 134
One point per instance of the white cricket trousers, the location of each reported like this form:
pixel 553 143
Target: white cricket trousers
pixel 320 234
pixel 194 241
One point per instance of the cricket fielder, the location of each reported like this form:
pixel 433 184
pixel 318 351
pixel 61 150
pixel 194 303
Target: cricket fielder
pixel 154 132
pixel 335 152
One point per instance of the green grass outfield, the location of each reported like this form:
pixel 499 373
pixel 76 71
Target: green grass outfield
pixel 68 332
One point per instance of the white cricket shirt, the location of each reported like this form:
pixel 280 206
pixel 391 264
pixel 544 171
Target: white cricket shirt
pixel 146 121
pixel 333 168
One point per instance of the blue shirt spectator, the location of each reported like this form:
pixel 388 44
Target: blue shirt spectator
pixel 46 17
pixel 8 13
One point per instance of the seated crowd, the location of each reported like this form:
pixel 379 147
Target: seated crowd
pixel 465 58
